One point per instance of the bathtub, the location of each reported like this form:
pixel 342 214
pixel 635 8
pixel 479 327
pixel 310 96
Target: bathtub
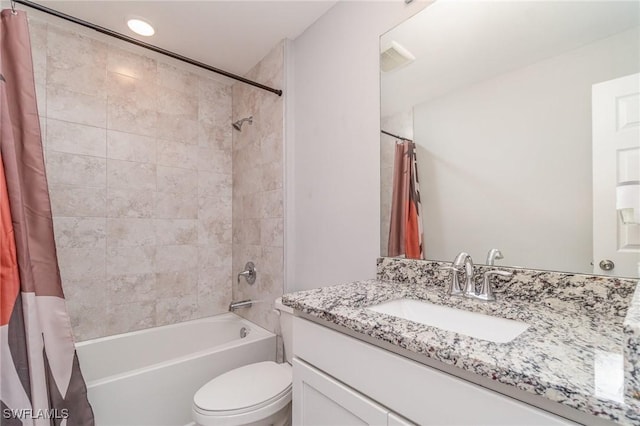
pixel 149 377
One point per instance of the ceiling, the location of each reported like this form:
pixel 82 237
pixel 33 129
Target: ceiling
pixel 458 43
pixel 231 35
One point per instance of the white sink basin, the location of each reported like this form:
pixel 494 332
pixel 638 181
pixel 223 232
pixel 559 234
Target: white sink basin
pixel 471 324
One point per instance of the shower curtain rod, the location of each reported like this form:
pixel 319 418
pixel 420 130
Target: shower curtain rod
pixel 156 49
pixel 395 136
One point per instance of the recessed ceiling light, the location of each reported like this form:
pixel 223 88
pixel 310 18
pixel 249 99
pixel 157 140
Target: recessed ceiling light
pixel 141 27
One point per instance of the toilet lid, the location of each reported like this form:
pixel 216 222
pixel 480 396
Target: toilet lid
pixel 244 387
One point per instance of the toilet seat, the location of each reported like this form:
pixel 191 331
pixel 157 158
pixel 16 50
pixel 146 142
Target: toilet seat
pixel 244 395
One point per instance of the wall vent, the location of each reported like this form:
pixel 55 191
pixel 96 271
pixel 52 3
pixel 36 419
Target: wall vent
pixel 394 57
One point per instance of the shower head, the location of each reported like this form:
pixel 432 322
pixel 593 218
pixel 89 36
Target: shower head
pixel 238 124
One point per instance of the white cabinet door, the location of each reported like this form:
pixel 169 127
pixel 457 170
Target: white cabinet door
pixel 320 400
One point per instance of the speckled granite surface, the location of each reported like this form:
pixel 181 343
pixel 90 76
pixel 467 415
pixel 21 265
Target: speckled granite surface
pixel 632 348
pixel 572 353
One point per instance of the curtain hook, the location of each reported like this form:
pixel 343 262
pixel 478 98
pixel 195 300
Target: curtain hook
pixel 13 7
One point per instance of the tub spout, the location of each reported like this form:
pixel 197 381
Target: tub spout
pixel 242 304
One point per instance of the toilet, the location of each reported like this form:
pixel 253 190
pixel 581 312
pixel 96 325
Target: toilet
pixel 257 394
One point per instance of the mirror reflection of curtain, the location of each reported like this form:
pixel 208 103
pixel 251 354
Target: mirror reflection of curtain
pixel 405 229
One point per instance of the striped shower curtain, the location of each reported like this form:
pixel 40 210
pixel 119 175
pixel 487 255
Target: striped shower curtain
pixel 40 379
pixel 405 229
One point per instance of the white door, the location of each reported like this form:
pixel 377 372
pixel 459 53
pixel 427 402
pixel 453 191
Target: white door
pixel 616 159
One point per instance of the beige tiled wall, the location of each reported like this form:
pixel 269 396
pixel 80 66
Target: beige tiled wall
pixel 258 227
pixel 139 162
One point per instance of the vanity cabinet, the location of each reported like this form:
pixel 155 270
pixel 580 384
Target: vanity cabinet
pixel 338 379
pixel 321 400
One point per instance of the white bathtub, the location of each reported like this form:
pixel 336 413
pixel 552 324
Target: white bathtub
pixel 149 377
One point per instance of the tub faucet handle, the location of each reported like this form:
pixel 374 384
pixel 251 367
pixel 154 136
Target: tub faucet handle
pixel 249 273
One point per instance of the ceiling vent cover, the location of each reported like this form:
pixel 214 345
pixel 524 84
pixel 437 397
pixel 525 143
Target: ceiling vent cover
pixel 394 57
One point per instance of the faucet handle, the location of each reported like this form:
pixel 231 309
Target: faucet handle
pixel 454 288
pixel 486 291
pixel 498 272
pixel 450 268
pixel 249 273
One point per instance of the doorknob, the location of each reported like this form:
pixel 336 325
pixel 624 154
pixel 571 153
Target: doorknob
pixel 606 265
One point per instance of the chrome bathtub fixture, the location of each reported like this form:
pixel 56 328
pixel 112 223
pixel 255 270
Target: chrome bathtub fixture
pixel 238 124
pixel 250 273
pixel 243 332
pixel 493 255
pixel 241 304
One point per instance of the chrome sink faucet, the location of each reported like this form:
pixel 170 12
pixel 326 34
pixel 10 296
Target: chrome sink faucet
pixel 493 255
pixel 462 263
pixel 464 260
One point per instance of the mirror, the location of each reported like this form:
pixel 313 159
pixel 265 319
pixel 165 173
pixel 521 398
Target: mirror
pixel 498 98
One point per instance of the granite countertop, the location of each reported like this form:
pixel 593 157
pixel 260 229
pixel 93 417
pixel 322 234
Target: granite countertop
pixel 573 353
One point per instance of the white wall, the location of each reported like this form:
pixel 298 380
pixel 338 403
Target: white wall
pixel 334 197
pixel 506 163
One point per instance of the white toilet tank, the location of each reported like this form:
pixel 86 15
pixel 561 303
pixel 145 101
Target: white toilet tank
pixel 286 327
